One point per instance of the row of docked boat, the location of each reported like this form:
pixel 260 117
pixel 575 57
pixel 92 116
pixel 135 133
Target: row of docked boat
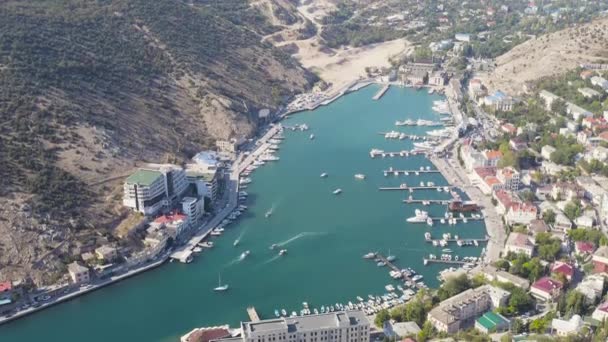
pixel 419 122
pixel 441 107
pixel 402 136
pixel 404 153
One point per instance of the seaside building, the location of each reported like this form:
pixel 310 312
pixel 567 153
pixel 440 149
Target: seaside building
pixel 207 334
pixel 499 101
pixel 342 326
pixel 106 253
pixel 230 147
pixel 206 182
pixel 461 311
pixel 417 77
pixel 194 208
pixel 208 161
pixel 522 213
pixel 437 79
pixel 492 322
pixel 490 158
pixel 156 186
pixel 509 177
pixel 173 224
pixel 492 273
pixel 78 273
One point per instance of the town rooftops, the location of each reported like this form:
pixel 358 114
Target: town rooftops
pixel 5 286
pixel 547 284
pixel 144 177
pixel 484 172
pixel 504 198
pixel 523 207
pixel 538 226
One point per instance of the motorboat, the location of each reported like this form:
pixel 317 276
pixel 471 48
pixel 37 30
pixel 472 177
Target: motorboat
pixel 429 221
pixel 244 255
pixel 381 264
pixel 283 312
pixel 337 191
pixel 427 236
pixel 369 255
pixel 311 137
pixel 236 242
pixel 282 252
pixel 420 216
pixel 323 175
pixel 390 257
pixel 360 176
pixel 268 213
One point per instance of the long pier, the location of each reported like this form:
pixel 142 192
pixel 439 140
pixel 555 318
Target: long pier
pixel 420 201
pixel 392 266
pixel 438 219
pixel 439 261
pixel 465 241
pixel 381 92
pixel 407 188
pixel 253 315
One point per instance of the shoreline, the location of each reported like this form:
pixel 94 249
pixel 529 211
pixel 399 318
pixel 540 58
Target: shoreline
pixel 232 187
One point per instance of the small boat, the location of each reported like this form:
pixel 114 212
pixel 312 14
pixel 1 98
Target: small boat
pixel 311 137
pixel 244 255
pixel 390 257
pixel 323 175
pixel 294 314
pixel 268 213
pixel 360 176
pixel 369 255
pixel 359 299
pixel 282 252
pixel 337 191
pixel 273 246
pixel 277 313
pixel 236 242
pixel 429 221
pixel 316 311
pixel 197 250
pixel 446 250
pixel 220 287
pixel 381 264
pixel 283 312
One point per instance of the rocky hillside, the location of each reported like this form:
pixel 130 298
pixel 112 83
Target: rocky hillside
pixel 550 55
pixel 91 88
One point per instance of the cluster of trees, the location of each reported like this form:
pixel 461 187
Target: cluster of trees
pixel 594 166
pixel 357 34
pixel 415 310
pixel 548 246
pixel 595 236
pixel 573 209
pixel 521 265
pixel 519 301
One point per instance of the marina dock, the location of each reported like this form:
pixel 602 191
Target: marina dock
pixel 408 188
pixel 439 261
pixel 253 315
pixel 383 154
pixel 392 266
pixel 381 92
pixel 407 172
pixel 421 201
pixel 403 136
pixel 465 241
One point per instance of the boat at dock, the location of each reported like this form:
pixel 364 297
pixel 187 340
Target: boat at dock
pixel 420 216
pixel 369 255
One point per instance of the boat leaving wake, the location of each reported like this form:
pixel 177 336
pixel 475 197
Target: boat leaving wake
pixel 299 236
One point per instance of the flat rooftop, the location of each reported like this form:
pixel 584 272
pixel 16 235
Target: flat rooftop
pixel 308 323
pixel 144 177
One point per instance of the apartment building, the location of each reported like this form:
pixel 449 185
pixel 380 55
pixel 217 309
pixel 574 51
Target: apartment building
pixel 351 326
pixel 153 187
pixel 78 273
pixel 461 311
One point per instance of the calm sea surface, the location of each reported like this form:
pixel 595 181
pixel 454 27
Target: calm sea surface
pixel 325 235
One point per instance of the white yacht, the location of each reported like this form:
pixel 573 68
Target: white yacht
pixel 311 137
pixel 420 216
pixel 244 255
pixel 369 255
pixel 360 176
pixel 429 221
pixel 323 175
pixel 337 191
pixel 282 252
pixel 220 287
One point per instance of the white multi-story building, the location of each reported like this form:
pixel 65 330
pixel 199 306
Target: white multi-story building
pixel 351 326
pixel 155 186
pixel 548 97
pixel 78 273
pixel 205 181
pixel 460 311
pixel 193 207
pixel 509 177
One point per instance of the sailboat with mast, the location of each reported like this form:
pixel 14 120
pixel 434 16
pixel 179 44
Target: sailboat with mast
pixel 220 287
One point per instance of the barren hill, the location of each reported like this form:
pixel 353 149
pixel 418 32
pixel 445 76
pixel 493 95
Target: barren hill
pixel 549 55
pixel 89 89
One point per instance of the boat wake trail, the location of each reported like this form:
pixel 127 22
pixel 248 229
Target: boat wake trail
pixel 299 236
pixel 274 258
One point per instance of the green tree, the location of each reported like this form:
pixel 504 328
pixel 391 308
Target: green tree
pixel 549 216
pixel 426 332
pixel 572 210
pixel 534 269
pixel 381 317
pixel 575 303
pixel 538 326
pixel 518 326
pixel 454 286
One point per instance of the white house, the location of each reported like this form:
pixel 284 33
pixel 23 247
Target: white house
pixel 591 287
pixel 519 243
pixel 546 151
pixel 548 97
pixel 562 327
pixel 522 213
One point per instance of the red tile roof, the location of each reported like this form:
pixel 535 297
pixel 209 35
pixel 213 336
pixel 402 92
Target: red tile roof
pixel 491 180
pixel 484 172
pixel 603 307
pixel 509 128
pixel 504 198
pixel 584 247
pixel 547 284
pixel 493 154
pixel 525 207
pixel 563 268
pixel 5 286
pixel 170 218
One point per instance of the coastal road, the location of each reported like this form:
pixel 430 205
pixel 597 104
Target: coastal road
pixel 456 175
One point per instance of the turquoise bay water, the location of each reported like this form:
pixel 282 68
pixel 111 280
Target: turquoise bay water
pixel 326 235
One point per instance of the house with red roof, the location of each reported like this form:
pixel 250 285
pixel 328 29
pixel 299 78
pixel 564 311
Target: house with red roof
pixel 491 158
pixel 6 286
pixel 504 201
pixel 584 248
pixel 563 268
pixel 207 334
pixel 522 213
pixel 509 128
pixel 546 289
pixel 600 260
pixel 174 223
pixel 509 177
